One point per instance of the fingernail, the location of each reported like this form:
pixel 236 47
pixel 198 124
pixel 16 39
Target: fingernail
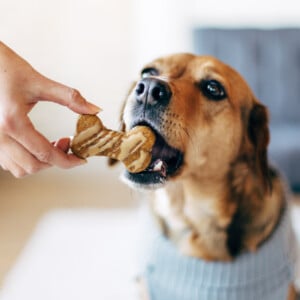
pixel 82 162
pixel 94 108
pixel 79 161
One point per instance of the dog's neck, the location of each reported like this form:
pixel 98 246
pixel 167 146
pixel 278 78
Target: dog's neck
pixel 216 219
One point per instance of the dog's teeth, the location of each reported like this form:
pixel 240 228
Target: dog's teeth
pixel 158 165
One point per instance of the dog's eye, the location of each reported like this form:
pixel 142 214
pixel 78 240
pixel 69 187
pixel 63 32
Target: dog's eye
pixel 213 89
pixel 149 72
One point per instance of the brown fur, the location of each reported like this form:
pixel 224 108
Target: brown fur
pixel 226 198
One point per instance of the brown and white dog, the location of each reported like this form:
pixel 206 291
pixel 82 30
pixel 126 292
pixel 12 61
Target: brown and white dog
pixel 210 157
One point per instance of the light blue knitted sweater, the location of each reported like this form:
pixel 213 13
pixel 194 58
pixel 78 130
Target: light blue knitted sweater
pixel 264 275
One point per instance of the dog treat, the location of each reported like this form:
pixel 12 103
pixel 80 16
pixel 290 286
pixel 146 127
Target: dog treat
pixel 133 148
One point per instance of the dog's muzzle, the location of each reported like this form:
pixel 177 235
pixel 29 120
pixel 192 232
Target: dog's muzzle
pixel 151 98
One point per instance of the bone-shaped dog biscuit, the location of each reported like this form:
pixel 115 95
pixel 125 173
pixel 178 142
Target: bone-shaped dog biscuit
pixel 133 148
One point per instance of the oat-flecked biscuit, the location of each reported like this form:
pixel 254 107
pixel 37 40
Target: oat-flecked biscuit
pixel 133 148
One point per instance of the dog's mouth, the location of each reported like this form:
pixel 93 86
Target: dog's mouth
pixel 166 160
pixel 165 163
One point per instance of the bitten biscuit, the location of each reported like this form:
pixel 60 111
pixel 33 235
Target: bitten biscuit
pixel 133 148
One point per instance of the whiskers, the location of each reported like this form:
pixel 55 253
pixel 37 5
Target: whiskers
pixel 186 136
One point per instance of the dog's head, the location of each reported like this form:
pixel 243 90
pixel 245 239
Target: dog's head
pixel 204 116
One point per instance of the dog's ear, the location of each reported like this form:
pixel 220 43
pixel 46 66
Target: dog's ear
pixel 259 135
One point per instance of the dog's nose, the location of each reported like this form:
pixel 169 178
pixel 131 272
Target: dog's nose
pixel 152 91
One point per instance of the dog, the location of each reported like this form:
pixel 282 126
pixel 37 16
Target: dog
pixel 215 198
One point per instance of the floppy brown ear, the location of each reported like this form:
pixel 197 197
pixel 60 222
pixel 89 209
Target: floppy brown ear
pixel 258 131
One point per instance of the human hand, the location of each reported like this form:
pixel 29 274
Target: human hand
pixel 23 150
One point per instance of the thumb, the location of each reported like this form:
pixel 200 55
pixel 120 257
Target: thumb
pixel 53 91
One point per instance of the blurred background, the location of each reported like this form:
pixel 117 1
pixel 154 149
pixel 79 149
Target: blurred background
pixel 70 234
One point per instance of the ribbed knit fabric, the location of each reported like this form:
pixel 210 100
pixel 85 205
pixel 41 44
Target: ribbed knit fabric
pixel 264 275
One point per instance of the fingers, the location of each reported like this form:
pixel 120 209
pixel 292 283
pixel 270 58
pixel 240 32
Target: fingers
pixel 63 144
pixel 50 90
pixel 20 162
pixel 45 152
pixel 17 160
pixel 26 151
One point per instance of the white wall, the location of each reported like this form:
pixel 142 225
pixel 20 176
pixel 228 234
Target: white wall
pixel 82 43
pixel 164 26
pixel 86 44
